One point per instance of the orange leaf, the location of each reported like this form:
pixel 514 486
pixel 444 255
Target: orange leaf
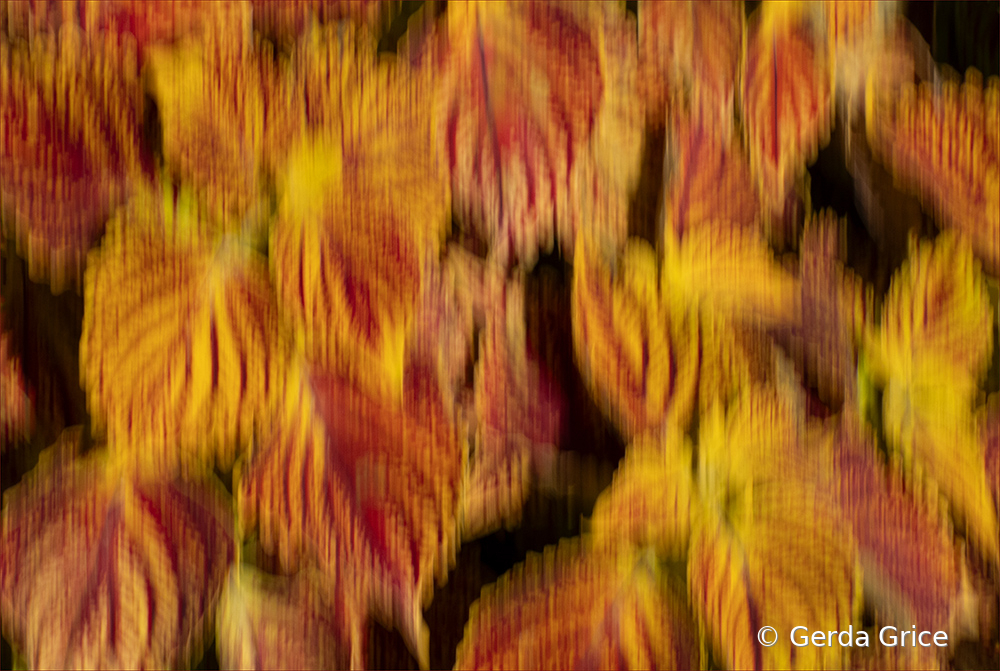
pixel 637 354
pixel 785 98
pixel 104 567
pixel 15 408
pixel 69 115
pixel 708 181
pixel 531 90
pixel 945 146
pixel 270 622
pixel 229 113
pixel 185 361
pixel 693 48
pixel 363 210
pixel 571 608
pixel 373 495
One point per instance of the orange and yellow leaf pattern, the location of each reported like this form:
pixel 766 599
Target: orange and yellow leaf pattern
pixel 944 144
pixel 106 567
pixel 571 607
pixel 187 363
pixel 785 96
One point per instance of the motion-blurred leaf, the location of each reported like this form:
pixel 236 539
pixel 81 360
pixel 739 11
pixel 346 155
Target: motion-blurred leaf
pixel 692 48
pixel 650 500
pixel 943 143
pixel 229 113
pixel 105 567
pixel 934 345
pixel 365 486
pixel 185 362
pixel 778 555
pixel 69 115
pixel 364 205
pixel 535 94
pixel 573 608
pixel 270 622
pixel 907 550
pixel 785 96
pixel 636 348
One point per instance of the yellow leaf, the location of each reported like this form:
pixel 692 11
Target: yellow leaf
pixel 186 360
pixel 933 346
pixel 638 354
pixel 780 556
pixel 731 270
pixel 650 500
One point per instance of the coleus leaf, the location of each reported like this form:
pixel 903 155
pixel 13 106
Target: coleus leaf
pixel 785 96
pixel 278 622
pixel 534 94
pixel 636 349
pixel 228 113
pixel 779 556
pixel 365 487
pixel 692 48
pixel 943 143
pixel 770 546
pixel 363 209
pixel 68 135
pixel 15 406
pixel 709 266
pixel 835 307
pixel 185 361
pixel 104 566
pixel 575 608
pixel 650 500
pixel 905 543
pixel 733 355
pixel 708 179
pixel 712 238
pixel 934 343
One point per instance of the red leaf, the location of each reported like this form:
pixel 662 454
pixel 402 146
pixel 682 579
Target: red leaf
pixel 519 411
pixel 907 549
pixel 785 97
pixel 105 567
pixel 69 114
pixel 185 363
pixel 367 488
pixel 693 49
pixel 526 87
pixel 709 181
